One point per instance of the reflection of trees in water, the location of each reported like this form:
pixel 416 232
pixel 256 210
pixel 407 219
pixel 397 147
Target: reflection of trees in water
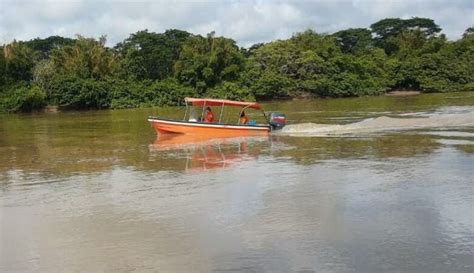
pixel 466 148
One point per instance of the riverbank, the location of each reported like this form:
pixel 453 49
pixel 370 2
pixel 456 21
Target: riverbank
pixel 402 93
pixel 122 95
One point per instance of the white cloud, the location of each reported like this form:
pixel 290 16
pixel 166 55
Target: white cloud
pixel 246 21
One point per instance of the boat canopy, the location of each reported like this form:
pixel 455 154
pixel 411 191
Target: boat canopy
pixel 217 102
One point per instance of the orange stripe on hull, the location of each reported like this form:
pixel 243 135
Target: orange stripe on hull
pixel 166 127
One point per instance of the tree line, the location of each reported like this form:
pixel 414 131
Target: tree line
pixel 154 69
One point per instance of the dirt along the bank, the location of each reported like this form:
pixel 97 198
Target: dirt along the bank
pixel 401 93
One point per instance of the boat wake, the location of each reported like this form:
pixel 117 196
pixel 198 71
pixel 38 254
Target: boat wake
pixel 405 122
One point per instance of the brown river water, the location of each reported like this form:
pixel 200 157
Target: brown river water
pixel 376 184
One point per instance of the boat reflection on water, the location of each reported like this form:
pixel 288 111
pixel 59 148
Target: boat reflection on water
pixel 183 152
pixel 203 153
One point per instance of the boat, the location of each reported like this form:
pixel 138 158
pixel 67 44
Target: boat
pixel 200 125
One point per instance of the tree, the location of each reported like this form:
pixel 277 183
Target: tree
pixel 43 73
pixel 433 64
pixel 313 63
pixel 353 40
pixel 86 58
pixel 251 49
pixel 230 91
pixel 425 25
pixel 3 66
pixel 387 29
pixel 393 26
pixel 20 61
pixel 409 42
pixel 206 61
pixel 149 55
pixel 271 85
pixel 468 32
pixel 44 46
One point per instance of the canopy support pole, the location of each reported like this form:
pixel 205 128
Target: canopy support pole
pixel 203 107
pixel 222 111
pixel 186 112
pixel 265 116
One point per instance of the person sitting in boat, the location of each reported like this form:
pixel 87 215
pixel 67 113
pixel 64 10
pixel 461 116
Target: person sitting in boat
pixel 208 115
pixel 243 118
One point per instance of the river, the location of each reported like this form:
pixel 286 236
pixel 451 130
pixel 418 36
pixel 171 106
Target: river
pixel 374 184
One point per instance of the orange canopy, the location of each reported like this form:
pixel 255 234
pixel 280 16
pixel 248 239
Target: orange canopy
pixel 216 102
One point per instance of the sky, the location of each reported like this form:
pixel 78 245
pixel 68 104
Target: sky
pixel 246 21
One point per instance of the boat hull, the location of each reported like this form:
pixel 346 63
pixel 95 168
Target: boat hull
pixel 164 126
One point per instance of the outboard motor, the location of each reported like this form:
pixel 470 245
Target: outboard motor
pixel 277 120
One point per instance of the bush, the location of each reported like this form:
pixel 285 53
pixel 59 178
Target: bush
pixel 65 91
pixel 77 93
pixel 167 92
pixel 23 98
pixel 126 94
pixel 129 94
pixel 271 85
pixel 468 87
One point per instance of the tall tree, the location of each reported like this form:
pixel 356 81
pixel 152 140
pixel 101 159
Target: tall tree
pixel 386 30
pixel 3 66
pixel 206 61
pixel 47 44
pixel 468 32
pixel 20 61
pixel 393 26
pixel 353 39
pixel 86 58
pixel 149 55
pixel 251 49
pixel 425 25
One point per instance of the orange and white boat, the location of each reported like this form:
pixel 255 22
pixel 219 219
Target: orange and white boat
pixel 203 125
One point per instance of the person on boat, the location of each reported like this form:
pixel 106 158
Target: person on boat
pixel 243 118
pixel 208 115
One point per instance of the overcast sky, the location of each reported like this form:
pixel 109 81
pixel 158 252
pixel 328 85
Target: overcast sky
pixel 245 21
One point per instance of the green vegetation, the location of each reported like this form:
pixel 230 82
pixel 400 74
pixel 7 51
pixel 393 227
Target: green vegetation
pixel 149 69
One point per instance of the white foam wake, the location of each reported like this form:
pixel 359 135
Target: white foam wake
pixel 381 124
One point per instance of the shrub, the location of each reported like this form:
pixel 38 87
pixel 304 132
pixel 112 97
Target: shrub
pixel 271 85
pixel 129 94
pixel 468 87
pixel 170 92
pixel 23 98
pixel 77 93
